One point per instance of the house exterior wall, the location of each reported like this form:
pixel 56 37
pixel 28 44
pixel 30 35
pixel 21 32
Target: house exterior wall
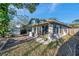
pixel 73 31
pixel 57 28
pixel 53 29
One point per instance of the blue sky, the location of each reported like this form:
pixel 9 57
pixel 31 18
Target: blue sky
pixel 64 12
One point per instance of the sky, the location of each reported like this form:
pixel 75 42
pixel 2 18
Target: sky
pixel 64 12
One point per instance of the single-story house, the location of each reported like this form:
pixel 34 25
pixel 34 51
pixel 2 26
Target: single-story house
pixel 50 27
pixel 37 27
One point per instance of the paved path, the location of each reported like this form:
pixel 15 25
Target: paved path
pixel 71 47
pixel 43 41
pixel 14 41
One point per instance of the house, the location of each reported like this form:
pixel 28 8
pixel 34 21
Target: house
pixel 73 30
pixel 50 27
pixel 36 27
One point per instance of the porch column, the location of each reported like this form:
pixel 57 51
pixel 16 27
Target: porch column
pixel 59 29
pixel 32 30
pixel 65 29
pixel 44 29
pixel 41 29
pixel 36 33
pixel 64 33
pixel 59 34
pixel 50 32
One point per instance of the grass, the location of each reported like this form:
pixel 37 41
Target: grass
pixel 44 36
pixel 32 48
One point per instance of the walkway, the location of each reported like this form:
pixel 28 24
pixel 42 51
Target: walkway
pixel 10 42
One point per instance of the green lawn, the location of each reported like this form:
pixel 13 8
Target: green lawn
pixel 32 48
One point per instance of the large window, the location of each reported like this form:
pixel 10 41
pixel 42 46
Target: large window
pixel 55 29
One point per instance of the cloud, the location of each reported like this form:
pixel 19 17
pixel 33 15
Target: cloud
pixel 41 11
pixel 53 6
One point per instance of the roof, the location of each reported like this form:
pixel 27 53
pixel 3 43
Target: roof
pixel 51 21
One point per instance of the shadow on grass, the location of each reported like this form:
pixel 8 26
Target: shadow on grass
pixel 4 52
pixel 69 47
pixel 13 46
pixel 64 50
pixel 12 42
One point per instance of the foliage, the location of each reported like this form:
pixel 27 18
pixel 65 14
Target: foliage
pixel 23 19
pixel 76 20
pixel 30 6
pixel 75 23
pixel 4 17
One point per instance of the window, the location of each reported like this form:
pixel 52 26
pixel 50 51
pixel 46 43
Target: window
pixel 33 22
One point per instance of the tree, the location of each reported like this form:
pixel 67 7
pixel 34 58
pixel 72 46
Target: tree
pixel 23 19
pixel 76 21
pixel 24 23
pixel 4 17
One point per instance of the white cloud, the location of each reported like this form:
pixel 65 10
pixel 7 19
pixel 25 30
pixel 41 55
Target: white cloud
pixel 52 8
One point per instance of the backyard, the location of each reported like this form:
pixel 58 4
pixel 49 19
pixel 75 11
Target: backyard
pixel 45 37
pixel 33 48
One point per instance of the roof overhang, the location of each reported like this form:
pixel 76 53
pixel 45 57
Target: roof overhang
pixel 50 22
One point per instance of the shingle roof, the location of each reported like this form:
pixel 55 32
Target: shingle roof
pixel 45 22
